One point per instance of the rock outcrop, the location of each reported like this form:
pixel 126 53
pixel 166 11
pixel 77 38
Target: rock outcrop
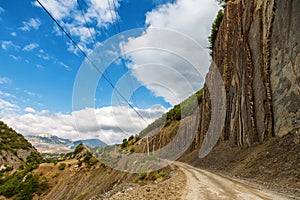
pixel 257 54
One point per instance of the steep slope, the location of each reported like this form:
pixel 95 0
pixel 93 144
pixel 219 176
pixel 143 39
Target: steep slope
pixel 14 148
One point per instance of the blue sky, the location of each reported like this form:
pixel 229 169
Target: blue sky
pixel 39 65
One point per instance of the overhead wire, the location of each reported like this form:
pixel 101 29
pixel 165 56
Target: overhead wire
pixel 92 36
pixel 117 29
pixel 91 61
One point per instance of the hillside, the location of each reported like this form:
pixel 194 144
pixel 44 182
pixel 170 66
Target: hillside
pixel 18 158
pixel 14 148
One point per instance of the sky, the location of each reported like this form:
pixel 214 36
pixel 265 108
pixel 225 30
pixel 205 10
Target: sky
pixel 153 53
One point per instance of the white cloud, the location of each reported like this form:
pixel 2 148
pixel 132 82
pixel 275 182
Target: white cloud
pixel 8 44
pixel 14 34
pixel 29 110
pixel 32 93
pixel 6 106
pixel 30 47
pixel 114 123
pixel 39 66
pixel 178 59
pixel 44 57
pixel 64 66
pixel 33 23
pixel 5 80
pixel 70 17
pixel 15 57
pixel 6 95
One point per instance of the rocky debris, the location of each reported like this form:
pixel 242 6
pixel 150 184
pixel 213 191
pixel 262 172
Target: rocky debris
pixel 172 189
pixel 117 189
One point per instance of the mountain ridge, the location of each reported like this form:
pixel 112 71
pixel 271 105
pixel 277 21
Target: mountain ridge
pixel 48 143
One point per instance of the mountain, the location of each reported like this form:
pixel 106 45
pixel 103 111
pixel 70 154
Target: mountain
pixel 90 143
pixel 47 143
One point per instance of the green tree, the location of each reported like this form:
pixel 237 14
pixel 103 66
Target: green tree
pixel 214 31
pixel 78 149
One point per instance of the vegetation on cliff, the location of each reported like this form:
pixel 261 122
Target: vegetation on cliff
pixel 179 111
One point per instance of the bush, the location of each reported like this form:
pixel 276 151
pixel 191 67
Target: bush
pixel 132 150
pixel 34 158
pixel 62 166
pixel 160 174
pixel 143 175
pixel 124 143
pixel 78 149
pixel 131 138
pixel 21 185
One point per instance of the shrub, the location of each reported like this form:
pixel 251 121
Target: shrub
pixel 132 150
pixel 78 149
pixel 160 174
pixel 62 166
pixel 143 175
pixel 124 143
pixel 214 31
pixel 131 137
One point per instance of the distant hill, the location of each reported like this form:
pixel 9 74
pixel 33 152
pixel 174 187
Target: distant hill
pixel 90 143
pixel 47 143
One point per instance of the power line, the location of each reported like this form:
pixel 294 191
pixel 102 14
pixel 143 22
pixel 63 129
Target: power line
pixel 117 31
pixel 93 38
pixel 93 64
pixel 94 41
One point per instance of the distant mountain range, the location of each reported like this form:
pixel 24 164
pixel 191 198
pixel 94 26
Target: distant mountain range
pixel 47 143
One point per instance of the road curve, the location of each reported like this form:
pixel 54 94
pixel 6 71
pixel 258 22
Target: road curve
pixel 202 185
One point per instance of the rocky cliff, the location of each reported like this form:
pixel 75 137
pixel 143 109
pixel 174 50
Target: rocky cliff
pixel 257 54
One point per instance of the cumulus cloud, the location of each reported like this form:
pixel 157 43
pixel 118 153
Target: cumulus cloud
pixel 172 50
pixel 29 110
pixel 111 126
pixel 14 34
pixel 30 47
pixel 70 17
pixel 33 23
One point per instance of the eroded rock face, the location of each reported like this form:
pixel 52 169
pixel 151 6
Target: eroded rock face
pixel 285 67
pixel 257 53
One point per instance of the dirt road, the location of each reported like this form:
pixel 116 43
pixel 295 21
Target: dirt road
pixel 202 184
pixel 190 183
